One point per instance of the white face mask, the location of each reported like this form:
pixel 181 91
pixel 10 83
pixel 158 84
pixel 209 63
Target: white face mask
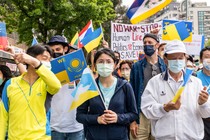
pixel 126 74
pixel 176 65
pixel 104 70
pixel 47 64
pixel 206 63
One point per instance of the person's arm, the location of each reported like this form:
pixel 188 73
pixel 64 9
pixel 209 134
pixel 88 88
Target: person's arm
pixel 20 66
pixel 131 114
pixel 83 117
pixel 203 102
pixel 4 109
pixel 52 82
pixel 149 105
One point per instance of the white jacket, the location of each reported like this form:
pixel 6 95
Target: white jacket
pixel 183 124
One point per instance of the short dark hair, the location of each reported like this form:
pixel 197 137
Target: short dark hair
pixel 49 50
pixel 129 62
pixel 203 50
pixel 106 51
pixel 36 50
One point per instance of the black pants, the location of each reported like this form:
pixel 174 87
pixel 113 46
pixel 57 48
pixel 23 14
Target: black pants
pixel 206 129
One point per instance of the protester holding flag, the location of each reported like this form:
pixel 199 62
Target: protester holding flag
pixel 204 76
pixel 181 120
pixel 22 110
pixel 63 122
pixel 141 72
pixel 107 116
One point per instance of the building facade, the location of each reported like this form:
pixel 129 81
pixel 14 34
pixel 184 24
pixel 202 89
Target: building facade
pixel 198 13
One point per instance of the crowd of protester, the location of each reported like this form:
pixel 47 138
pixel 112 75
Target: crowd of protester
pixel 135 102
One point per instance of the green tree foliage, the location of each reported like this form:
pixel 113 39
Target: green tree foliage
pixel 8 14
pixel 45 18
pixel 120 18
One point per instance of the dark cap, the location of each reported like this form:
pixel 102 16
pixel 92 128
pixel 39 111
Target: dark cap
pixel 57 39
pixel 152 36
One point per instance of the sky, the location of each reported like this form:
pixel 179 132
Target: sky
pixel 129 2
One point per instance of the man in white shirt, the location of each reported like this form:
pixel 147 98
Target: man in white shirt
pixel 64 125
pixel 181 120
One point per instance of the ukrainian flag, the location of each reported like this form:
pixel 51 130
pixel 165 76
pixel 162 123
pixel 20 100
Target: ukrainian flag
pixel 142 9
pixel 174 29
pixel 69 67
pixel 187 75
pixel 92 40
pixel 85 90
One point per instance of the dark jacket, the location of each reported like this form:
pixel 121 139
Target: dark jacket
pixel 137 79
pixel 122 103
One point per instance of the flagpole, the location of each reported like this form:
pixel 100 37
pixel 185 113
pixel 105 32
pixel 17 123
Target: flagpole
pixel 102 32
pixel 98 89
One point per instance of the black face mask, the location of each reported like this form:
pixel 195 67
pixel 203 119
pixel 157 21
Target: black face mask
pixel 55 55
pixel 149 50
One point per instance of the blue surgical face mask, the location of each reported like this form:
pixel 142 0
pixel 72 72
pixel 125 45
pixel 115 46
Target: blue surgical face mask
pixel 104 70
pixel 1 81
pixel 176 66
pixel 149 50
pixel 206 64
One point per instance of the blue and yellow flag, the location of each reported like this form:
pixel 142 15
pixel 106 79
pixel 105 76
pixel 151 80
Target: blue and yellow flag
pixel 85 90
pixel 92 40
pixel 142 9
pixel 69 67
pixel 177 30
pixel 187 75
pixel 174 29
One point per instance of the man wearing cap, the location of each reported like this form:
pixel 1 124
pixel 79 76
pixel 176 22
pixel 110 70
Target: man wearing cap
pixel 63 121
pixel 141 72
pixel 59 45
pixel 181 120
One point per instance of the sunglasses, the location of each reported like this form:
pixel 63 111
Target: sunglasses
pixel 154 70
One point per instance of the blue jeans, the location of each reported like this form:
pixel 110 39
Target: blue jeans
pixel 68 136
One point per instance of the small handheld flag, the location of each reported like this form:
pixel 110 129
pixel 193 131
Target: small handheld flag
pixel 69 67
pixel 86 31
pixel 187 75
pixel 85 90
pixel 92 40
